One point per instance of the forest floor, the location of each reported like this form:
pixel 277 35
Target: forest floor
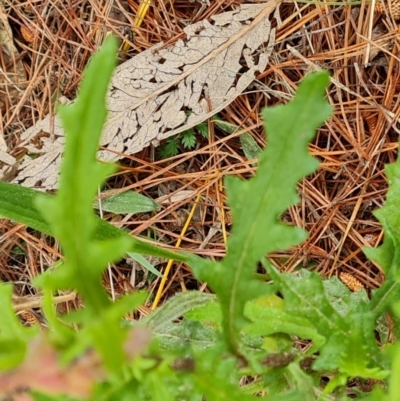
pixel 355 44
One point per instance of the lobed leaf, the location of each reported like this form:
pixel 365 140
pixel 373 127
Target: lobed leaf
pixel 387 256
pixel 72 220
pixel 258 203
pixel 350 344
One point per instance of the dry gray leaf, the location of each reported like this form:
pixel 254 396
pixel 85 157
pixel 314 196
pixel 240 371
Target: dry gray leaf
pixel 151 94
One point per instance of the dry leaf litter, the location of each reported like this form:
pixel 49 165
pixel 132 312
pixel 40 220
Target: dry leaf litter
pixel 358 47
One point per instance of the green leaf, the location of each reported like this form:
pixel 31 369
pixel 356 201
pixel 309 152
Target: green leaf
pixel 250 147
pixel 224 125
pixel 387 256
pixel 176 307
pixel 145 263
pixel 169 148
pixel 214 378
pixel 70 212
pixel 340 297
pixel 394 387
pixel 73 222
pixel 185 336
pixel 257 203
pixel 208 314
pixel 61 335
pixel 203 129
pixel 268 319
pixel 37 396
pixel 13 335
pixel 350 344
pixel 302 382
pixel 126 202
pixel 17 203
pixel 103 333
pixel 188 139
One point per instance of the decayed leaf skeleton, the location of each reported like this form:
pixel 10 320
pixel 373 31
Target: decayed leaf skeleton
pixel 151 93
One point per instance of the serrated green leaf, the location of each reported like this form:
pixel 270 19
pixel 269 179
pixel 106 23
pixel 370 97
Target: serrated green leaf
pixel 188 139
pixel 257 204
pixel 203 129
pixel 350 344
pixel 81 175
pixel 126 202
pixel 267 319
pixel 356 360
pixel 387 256
pixel 169 148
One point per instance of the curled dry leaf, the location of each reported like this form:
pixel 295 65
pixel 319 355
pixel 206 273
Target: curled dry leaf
pixel 164 91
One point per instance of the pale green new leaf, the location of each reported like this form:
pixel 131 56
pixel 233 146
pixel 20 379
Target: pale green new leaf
pixel 258 203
